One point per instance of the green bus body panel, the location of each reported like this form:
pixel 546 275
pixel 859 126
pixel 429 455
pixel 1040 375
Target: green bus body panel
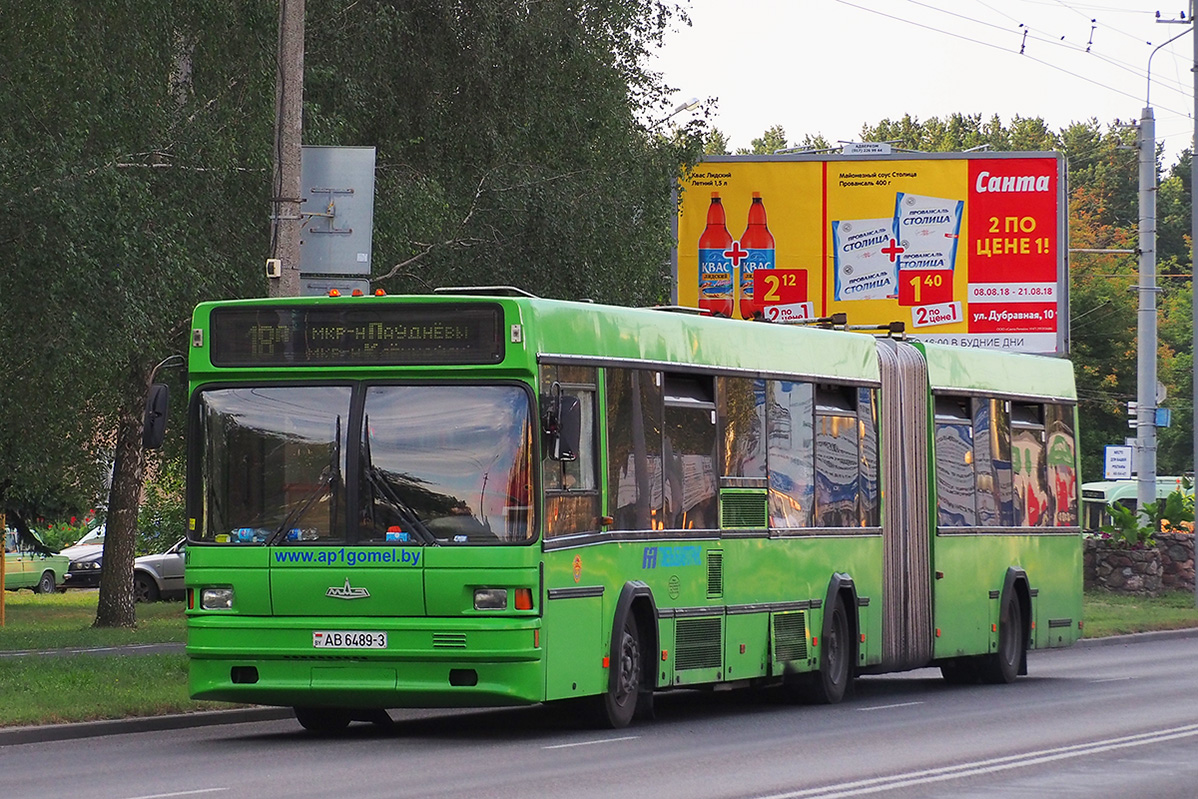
pixel 967 599
pixel 1001 373
pixel 739 607
pixel 425 609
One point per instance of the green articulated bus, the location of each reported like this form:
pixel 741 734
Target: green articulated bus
pixel 482 498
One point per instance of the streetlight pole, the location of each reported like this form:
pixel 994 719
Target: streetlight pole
pixel 1146 341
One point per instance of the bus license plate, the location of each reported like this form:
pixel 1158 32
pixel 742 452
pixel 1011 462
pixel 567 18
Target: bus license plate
pixel 349 639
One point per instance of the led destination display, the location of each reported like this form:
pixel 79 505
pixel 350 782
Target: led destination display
pixel 392 335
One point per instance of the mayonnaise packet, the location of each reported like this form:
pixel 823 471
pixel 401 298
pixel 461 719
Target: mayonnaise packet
pixel 863 270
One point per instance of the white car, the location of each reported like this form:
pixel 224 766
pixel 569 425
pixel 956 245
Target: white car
pixel 91 543
pixel 160 576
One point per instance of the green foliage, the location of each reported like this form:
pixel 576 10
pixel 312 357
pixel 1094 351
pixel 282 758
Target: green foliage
pixel 1175 509
pixel 770 142
pixel 510 150
pixel 1126 527
pixel 58 535
pixel 716 143
pixel 162 518
pixel 518 158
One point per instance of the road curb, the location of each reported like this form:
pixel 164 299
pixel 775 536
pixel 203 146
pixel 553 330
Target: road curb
pixel 179 721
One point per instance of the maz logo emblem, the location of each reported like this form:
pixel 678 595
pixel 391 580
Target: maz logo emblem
pixel 347 592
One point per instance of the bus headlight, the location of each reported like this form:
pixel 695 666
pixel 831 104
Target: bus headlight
pixel 216 598
pixel 490 598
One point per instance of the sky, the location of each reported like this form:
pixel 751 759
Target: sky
pixel 831 66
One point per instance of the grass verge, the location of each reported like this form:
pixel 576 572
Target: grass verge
pixel 1119 614
pixel 41 689
pixel 64 621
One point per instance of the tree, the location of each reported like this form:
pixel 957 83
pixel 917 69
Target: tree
pixel 521 160
pixel 773 140
pixel 509 151
pixel 136 192
pixel 716 143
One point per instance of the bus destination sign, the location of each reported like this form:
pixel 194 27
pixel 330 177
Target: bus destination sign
pixel 386 335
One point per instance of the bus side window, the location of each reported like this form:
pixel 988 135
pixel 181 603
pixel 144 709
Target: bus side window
pixel 634 447
pixel 837 457
pixel 689 453
pixel 790 431
pixel 1029 465
pixel 992 462
pixel 1062 465
pixel 956 482
pixel 867 420
pixel 571 487
pixel 742 426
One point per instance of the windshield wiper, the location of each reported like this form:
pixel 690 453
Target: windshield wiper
pixel 327 476
pixel 380 483
pixel 330 476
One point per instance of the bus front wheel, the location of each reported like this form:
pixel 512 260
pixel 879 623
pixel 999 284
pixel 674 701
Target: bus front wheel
pixel 624 685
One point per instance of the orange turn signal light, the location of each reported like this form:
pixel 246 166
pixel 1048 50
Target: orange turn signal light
pixel 523 599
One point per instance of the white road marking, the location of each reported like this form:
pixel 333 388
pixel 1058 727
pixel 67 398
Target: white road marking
pixel 179 793
pixel 888 707
pixel 592 743
pixel 989 766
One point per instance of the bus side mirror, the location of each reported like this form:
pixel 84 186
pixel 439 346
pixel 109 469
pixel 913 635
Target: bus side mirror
pixel 569 428
pixel 153 428
pixel 561 424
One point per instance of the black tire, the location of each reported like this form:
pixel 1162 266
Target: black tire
pixel 830 684
pixel 1003 666
pixel 46 584
pixel 618 704
pixel 144 588
pixel 322 720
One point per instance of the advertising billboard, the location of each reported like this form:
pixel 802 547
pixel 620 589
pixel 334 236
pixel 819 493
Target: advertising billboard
pixel 963 248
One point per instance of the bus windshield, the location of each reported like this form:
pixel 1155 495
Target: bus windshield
pixel 432 465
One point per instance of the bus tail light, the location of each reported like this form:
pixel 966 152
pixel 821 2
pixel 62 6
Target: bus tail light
pixel 523 599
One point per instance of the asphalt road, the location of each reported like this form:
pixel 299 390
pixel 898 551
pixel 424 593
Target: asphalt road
pixel 1094 721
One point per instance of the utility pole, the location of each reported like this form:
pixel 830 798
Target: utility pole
pixel 1193 282
pixel 1146 342
pixel 282 268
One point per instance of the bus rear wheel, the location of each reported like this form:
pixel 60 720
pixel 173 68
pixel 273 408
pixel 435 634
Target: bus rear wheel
pixel 1003 666
pixel 618 704
pixel 322 720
